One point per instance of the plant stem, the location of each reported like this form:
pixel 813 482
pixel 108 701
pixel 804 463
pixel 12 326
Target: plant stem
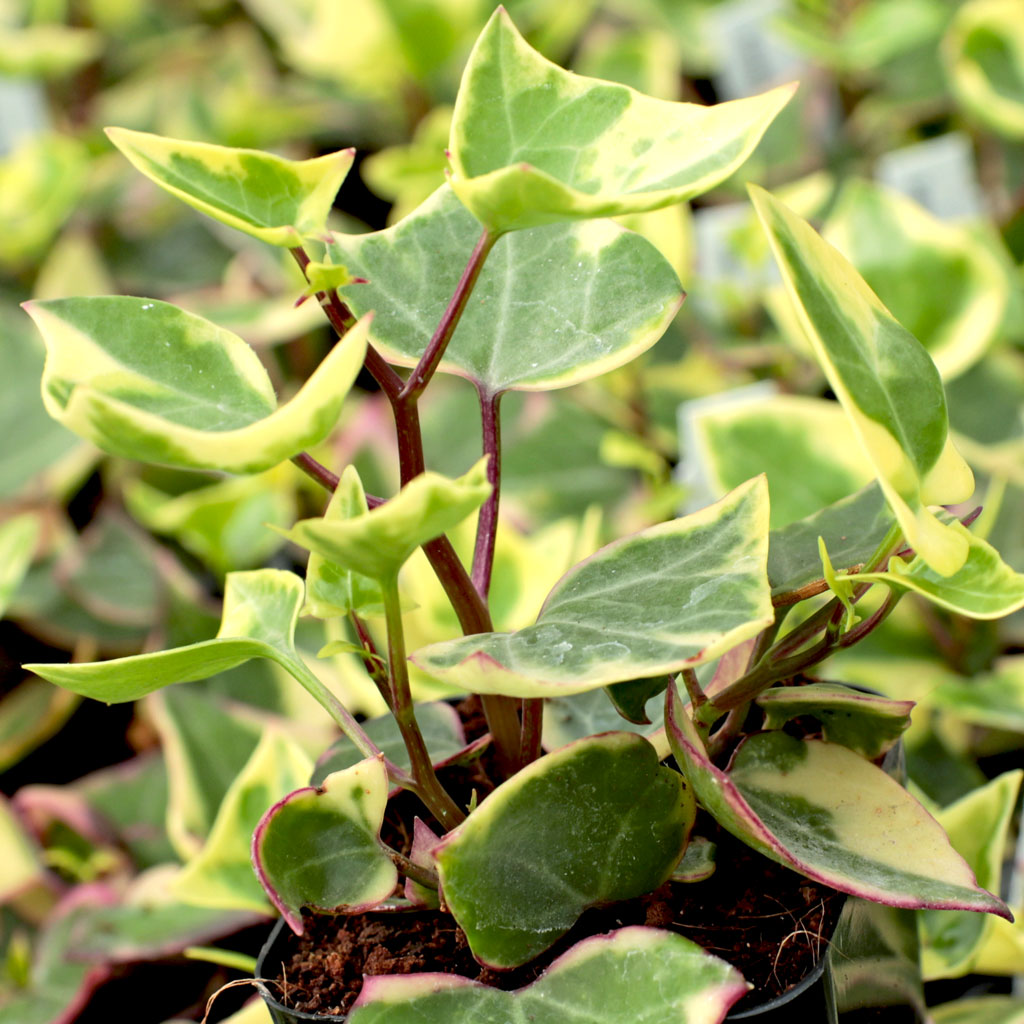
pixel 434 352
pixel 533 727
pixel 415 871
pixel 342 717
pixel 469 606
pixel 316 471
pixel 372 661
pixel 487 524
pixel 428 788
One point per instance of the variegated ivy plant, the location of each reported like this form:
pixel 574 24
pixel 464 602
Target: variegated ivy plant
pixel 516 276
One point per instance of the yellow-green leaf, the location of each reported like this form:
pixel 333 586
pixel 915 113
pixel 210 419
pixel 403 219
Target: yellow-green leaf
pixel 279 201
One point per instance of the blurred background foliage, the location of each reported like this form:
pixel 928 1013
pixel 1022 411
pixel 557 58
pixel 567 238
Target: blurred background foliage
pixel 905 144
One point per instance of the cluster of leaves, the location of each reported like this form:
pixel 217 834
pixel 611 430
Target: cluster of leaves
pixel 726 599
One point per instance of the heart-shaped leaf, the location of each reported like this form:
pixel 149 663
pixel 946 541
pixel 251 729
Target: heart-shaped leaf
pixel 378 542
pixel 984 587
pixel 551 307
pixel 597 821
pixel 828 813
pixel 634 974
pixel 320 847
pixel 278 201
pixel 146 380
pixel 678 594
pixel 533 144
pixel 863 722
pixel 221 874
pixel 884 379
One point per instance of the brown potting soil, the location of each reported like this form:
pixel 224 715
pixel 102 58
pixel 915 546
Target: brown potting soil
pixel 767 921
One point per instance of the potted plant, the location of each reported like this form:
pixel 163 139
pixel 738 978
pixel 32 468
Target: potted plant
pixel 513 276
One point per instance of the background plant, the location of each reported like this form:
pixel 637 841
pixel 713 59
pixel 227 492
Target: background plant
pixel 79 604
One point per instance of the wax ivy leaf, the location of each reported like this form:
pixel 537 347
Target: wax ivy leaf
pixel 146 380
pixel 278 201
pixel 984 54
pixel 221 874
pixel 597 821
pixel 30 714
pixel 551 307
pixel 978 826
pixel 863 722
pixel 884 379
pixel 984 587
pixel 852 529
pixel 378 542
pixel 630 698
pixel 634 974
pixel 980 1010
pixel 698 862
pixel 677 594
pixel 936 278
pixel 533 144
pixel 320 847
pixel 585 714
pixel 828 813
pixel 442 732
pixel 22 858
pixel 994 699
pixel 17 544
pixel 331 589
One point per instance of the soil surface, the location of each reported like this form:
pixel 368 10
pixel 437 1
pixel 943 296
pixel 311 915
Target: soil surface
pixel 767 921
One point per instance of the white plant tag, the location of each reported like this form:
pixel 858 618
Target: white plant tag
pixel 938 173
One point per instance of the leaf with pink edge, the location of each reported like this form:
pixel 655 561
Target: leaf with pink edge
pixel 320 847
pixel 634 974
pixel 828 813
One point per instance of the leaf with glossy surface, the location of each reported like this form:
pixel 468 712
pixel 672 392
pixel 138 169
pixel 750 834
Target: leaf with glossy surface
pixel 320 847
pixel 592 823
pixel 442 732
pixel 145 380
pixel 567 719
pixel 864 722
pixel 978 827
pixel 533 144
pixel 852 529
pixel 675 595
pixel 551 307
pixel 883 377
pixel 221 874
pixel 827 813
pixel 634 974
pixel 378 542
pixel 984 587
pixel 278 201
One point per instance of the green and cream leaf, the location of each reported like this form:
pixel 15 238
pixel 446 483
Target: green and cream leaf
pixel 551 307
pixel 595 822
pixel 320 847
pixel 377 543
pixel 884 379
pixel 145 380
pixel 634 974
pixel 828 813
pixel 675 595
pixel 278 201
pixel 533 144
